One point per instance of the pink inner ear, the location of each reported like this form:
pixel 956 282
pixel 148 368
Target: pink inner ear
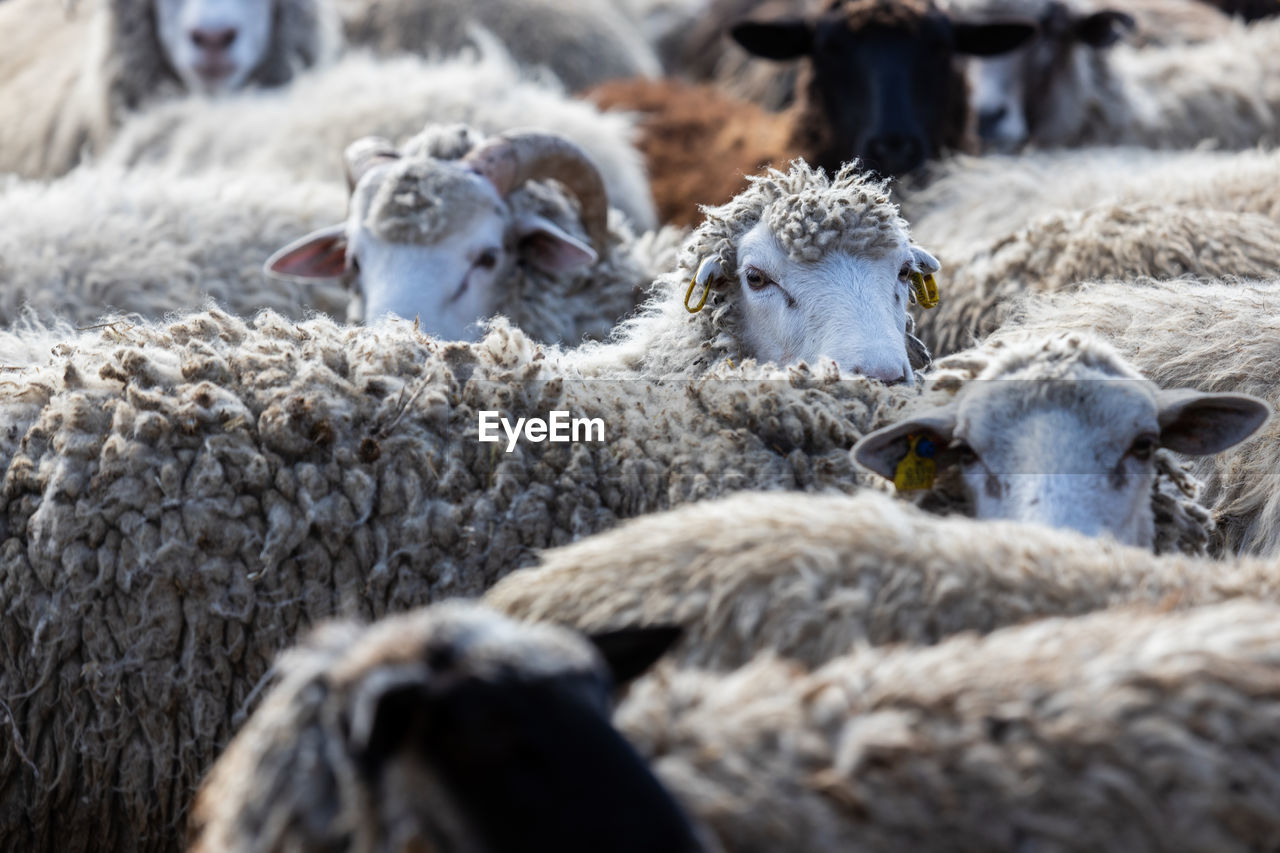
pixel 319 255
pixel 556 253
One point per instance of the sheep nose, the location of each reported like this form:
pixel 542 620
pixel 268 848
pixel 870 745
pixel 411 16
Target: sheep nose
pixel 213 39
pixel 989 120
pixel 895 153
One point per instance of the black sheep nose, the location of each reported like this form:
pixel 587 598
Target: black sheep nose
pixel 895 153
pixel 212 39
pixel 989 120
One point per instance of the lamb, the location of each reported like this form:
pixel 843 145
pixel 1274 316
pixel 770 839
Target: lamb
pixel 850 105
pixel 225 484
pixel 1116 241
pixel 301 132
pixel 390 735
pixel 1069 92
pixel 69 82
pixel 100 241
pixel 583 42
pixel 1120 731
pixel 1215 336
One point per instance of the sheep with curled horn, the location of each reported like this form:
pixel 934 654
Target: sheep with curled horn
pixel 453 228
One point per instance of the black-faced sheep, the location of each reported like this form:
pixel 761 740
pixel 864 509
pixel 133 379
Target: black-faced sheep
pixel 70 79
pixel 449 727
pixel 882 85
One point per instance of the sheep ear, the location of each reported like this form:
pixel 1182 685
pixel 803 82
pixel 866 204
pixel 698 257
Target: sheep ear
pixel 630 651
pixel 386 707
pixel 992 39
pixel 923 262
pixel 319 255
pixel 1103 29
pixel 1200 424
pixel 785 38
pixel 882 450
pixel 550 248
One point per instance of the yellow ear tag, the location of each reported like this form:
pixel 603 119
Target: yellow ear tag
pixel 688 294
pixel 918 468
pixel 925 289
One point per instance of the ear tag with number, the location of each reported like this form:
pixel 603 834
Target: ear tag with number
pixel 917 469
pixel 925 289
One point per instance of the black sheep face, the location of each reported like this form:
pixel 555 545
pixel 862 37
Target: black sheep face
pixel 884 86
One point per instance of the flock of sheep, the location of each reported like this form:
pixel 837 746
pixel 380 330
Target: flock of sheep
pixel 935 342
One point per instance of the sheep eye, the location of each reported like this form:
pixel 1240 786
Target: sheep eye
pixel 962 453
pixel 757 280
pixel 488 259
pixel 1143 446
pixel 904 272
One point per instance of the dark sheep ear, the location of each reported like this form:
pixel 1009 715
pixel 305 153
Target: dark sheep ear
pixel 1103 29
pixel 387 706
pixel 992 39
pixel 785 38
pixel 630 651
pixel 882 450
pixel 1200 424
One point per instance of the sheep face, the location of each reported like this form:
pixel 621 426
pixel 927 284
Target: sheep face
pixel 214 45
pixel 431 240
pixel 850 307
pixel 1025 91
pixel 882 76
pixel 1072 449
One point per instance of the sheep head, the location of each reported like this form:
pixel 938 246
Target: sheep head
pixel 448 728
pixel 440 239
pixel 815 267
pixel 1015 94
pixel 1061 432
pixel 214 45
pixel 883 86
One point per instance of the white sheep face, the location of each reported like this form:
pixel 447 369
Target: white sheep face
pixel 1075 455
pixel 214 45
pixel 1069 453
pixel 849 308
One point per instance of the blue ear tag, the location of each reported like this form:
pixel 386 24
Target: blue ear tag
pixel 917 469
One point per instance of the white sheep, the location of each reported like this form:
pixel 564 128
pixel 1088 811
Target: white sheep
pixel 1072 87
pixel 583 42
pixel 1214 336
pixel 102 241
pixel 452 228
pixel 302 131
pixel 1119 731
pixel 510 723
pixel 224 483
pixel 69 78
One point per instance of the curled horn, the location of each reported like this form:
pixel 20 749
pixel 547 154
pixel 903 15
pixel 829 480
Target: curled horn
pixel 363 154
pixel 512 158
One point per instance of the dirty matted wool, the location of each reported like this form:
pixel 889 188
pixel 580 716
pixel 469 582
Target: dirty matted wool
pixel 180 500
